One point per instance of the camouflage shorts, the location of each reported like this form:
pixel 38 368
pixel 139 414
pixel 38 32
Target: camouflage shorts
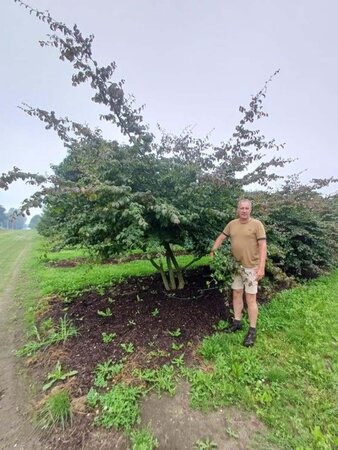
pixel 246 280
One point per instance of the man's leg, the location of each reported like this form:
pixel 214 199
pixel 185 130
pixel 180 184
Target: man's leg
pixel 237 300
pixel 251 301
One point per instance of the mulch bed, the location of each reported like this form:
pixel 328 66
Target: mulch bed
pixel 143 314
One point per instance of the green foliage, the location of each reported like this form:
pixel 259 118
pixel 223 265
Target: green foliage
pixel 224 267
pixel 106 371
pixel 56 410
pixel 62 333
pixel 142 439
pixel 127 347
pixel 205 444
pixel 108 337
pixel 302 230
pixel 106 313
pixel 288 378
pixel 57 375
pixel 162 379
pixel 175 333
pixel 119 407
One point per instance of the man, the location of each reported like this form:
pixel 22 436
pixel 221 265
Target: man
pixel 248 246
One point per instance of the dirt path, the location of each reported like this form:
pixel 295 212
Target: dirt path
pixel 16 431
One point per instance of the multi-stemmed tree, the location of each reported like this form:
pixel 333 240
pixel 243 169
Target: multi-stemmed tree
pixel 178 190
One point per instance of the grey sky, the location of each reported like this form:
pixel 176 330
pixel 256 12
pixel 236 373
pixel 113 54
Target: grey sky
pixel 190 62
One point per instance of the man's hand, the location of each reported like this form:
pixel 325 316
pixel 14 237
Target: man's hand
pixel 260 273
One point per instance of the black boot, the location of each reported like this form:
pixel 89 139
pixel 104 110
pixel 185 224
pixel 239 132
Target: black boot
pixel 236 326
pixel 250 338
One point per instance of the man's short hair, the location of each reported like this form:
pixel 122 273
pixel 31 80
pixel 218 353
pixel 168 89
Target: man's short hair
pixel 244 200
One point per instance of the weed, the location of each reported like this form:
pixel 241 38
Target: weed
pixel 92 397
pixel 119 407
pixel 179 361
pixel 108 337
pixel 58 375
pixel 205 444
pixel 155 312
pixel 231 433
pixel 175 346
pixel 106 313
pixel 128 348
pixel 158 353
pixel 105 371
pixel 161 379
pixel 142 439
pixel 131 323
pixel 175 333
pixel 65 331
pixel 220 325
pixel 56 410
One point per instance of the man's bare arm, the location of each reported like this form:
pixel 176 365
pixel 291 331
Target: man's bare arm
pixel 218 242
pixel 262 258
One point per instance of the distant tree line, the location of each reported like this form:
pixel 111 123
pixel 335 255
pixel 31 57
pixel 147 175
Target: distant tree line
pixel 14 220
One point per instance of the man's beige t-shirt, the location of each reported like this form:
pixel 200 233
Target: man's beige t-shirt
pixel 244 240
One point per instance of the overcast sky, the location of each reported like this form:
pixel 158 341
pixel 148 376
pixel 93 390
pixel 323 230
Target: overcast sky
pixel 191 62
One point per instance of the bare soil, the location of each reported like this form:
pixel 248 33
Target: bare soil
pixel 143 314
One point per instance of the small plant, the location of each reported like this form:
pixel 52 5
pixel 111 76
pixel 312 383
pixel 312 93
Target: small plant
pixel 30 348
pixel 231 433
pixel 205 444
pixel 155 312
pixel 158 353
pixel 175 346
pixel 220 325
pixel 128 348
pixel 131 323
pixel 57 375
pixel 142 440
pixel 92 397
pixel 175 333
pixel 106 313
pixel 56 410
pixel 105 371
pixel 108 337
pixel 179 361
pixel 65 331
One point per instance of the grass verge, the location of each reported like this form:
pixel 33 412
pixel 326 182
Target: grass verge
pixel 289 379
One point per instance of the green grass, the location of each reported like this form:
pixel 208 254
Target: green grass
pixel 142 439
pixel 289 379
pixel 11 245
pixel 56 410
pixel 70 281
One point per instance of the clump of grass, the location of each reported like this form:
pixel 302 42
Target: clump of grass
pixel 142 439
pixel 162 379
pixel 119 407
pixel 62 333
pixel 56 410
